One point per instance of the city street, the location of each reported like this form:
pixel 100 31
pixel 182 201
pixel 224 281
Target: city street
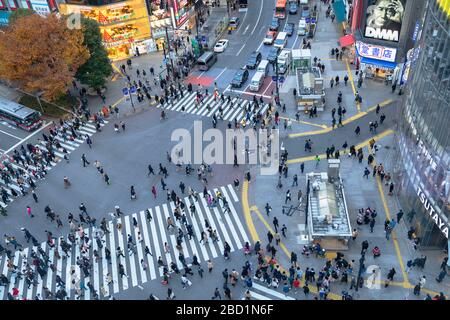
pixel 153 218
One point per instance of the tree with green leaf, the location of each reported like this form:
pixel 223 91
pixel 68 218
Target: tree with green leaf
pixel 20 12
pixel 98 67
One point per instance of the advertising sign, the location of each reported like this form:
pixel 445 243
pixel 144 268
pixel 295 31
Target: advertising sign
pixel 384 19
pixel 376 52
pixel 41 7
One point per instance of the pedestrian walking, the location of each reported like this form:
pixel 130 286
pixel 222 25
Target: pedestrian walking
pixel 399 215
pixel 29 212
pixel 288 196
pixel 275 224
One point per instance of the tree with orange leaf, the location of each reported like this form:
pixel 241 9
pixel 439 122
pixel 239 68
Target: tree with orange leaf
pixel 41 54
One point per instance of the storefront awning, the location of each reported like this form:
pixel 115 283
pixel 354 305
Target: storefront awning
pixel 379 63
pixel 347 40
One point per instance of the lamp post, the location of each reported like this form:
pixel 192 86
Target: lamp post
pixel 276 72
pixel 131 98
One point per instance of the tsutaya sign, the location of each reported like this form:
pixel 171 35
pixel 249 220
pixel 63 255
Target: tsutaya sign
pixel 440 222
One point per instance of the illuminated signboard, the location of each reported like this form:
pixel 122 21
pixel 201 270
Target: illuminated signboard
pixel 376 52
pixel 384 19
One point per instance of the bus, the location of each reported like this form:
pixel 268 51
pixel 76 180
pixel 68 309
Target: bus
pixel 280 9
pixel 19 115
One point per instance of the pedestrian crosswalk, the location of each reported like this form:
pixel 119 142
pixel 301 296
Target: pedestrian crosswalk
pixel 104 275
pixel 261 292
pixel 234 108
pixel 62 147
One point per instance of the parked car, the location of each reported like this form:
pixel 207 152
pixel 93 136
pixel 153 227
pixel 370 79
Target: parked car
pixel 293 8
pixel 275 24
pixel 240 77
pixel 270 37
pixel 273 54
pixel 221 45
pixel 254 60
pixel 305 12
pixel 289 28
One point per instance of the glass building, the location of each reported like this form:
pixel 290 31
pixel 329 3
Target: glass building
pixel 422 170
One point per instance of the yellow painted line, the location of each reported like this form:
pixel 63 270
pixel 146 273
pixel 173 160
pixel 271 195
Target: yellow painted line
pixel 246 209
pixel 323 126
pixel 361 145
pixel 260 216
pixel 394 238
pixel 350 77
pixel 117 69
pixel 309 133
pixel 344 122
pixel 117 102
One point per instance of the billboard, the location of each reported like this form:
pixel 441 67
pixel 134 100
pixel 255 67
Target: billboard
pixel 384 19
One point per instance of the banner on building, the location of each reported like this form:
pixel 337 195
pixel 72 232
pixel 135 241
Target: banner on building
pixel 384 19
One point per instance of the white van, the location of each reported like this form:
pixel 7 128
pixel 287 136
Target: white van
pixel 301 31
pixel 263 67
pixel 284 61
pixel 257 81
pixel 281 40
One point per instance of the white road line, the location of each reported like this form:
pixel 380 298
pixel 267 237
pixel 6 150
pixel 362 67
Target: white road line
pixel 240 50
pixel 203 228
pixel 220 74
pixel 246 28
pixel 259 17
pixel 39 286
pixel 178 224
pixel 235 216
pixel 212 223
pixel 132 257
pixel 196 230
pixel 96 266
pixel 11 135
pixel 114 264
pixel 243 19
pixel 230 226
pixel 139 251
pixel 258 296
pixel 157 251
pixel 105 266
pixel 271 292
pixel 124 262
pixel 268 88
pixel 233 194
pixel 4 272
pixel 296 38
pixel 172 239
pixel 22 281
pixel 148 244
pixel 30 291
pixel 28 137
pixel 223 227
pixel 159 216
pixel 260 45
pixel 15 261
pixel 201 74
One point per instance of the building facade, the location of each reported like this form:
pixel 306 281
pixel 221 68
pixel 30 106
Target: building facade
pixel 384 30
pixel 422 171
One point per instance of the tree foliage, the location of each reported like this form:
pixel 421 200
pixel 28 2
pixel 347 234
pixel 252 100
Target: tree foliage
pixel 97 68
pixel 20 12
pixel 41 54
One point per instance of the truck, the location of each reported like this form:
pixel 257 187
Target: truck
pixel 284 61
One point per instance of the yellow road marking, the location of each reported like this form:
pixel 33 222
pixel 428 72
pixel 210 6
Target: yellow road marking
pixel 255 209
pixel 350 77
pixel 305 122
pixel 260 216
pixel 361 145
pixel 344 122
pixel 247 215
pixel 117 69
pixel 117 102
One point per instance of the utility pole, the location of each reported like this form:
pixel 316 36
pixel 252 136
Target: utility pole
pixel 168 48
pixel 131 98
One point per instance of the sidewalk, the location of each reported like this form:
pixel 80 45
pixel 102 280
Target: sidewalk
pixel 372 92
pixel 360 193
